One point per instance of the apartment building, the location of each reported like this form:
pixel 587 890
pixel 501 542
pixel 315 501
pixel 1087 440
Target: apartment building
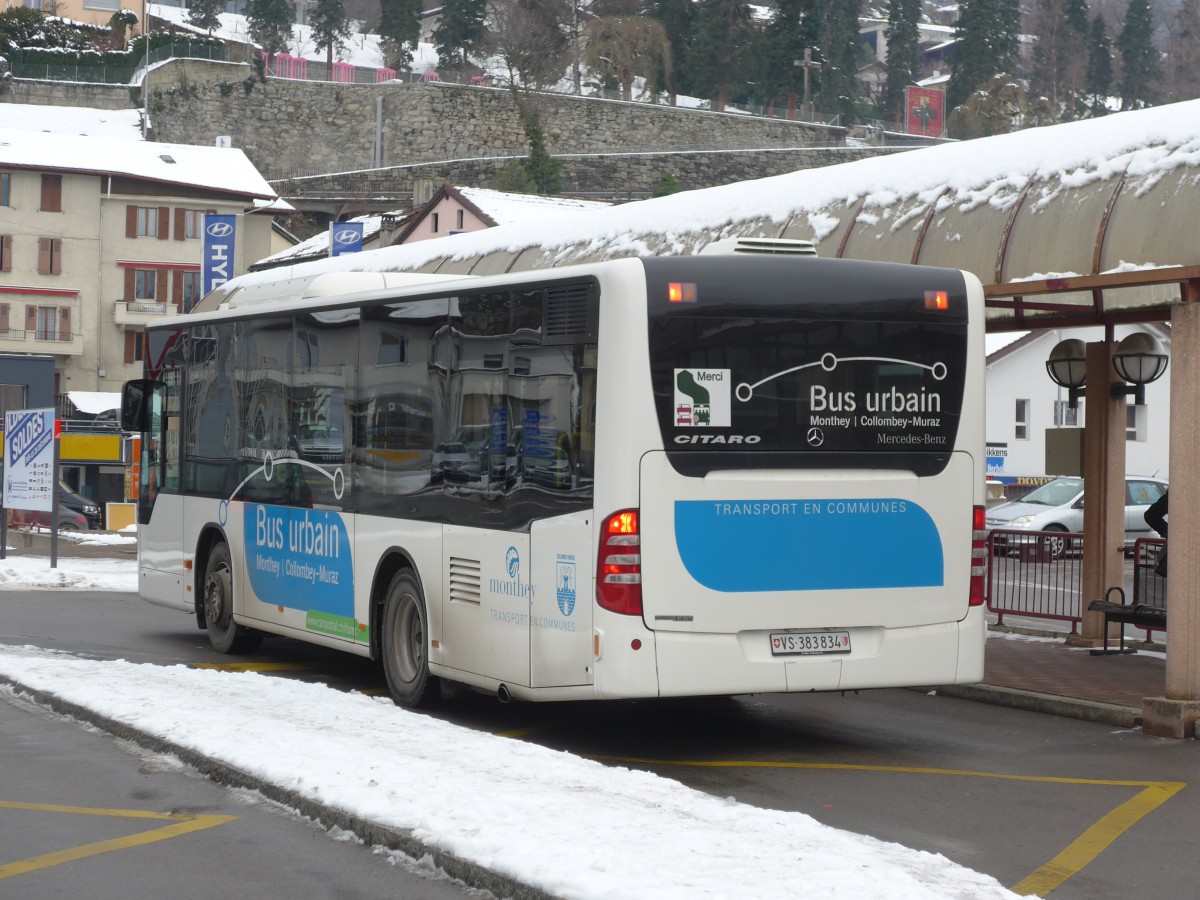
pixel 101 236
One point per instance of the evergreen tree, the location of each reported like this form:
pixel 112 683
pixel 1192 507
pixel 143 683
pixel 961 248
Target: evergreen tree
pixel 270 24
pixel 678 19
pixel 903 37
pixel 1139 57
pixel 839 90
pixel 794 27
pixel 987 45
pixel 1098 80
pixel 460 32
pixel 399 29
pixel 204 14
pixel 1183 54
pixel 723 32
pixel 330 26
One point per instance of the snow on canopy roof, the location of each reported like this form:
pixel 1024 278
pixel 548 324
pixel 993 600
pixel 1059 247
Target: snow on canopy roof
pixel 1096 196
pixel 225 170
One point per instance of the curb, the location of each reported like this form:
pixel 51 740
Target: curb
pixel 372 833
pixel 1032 701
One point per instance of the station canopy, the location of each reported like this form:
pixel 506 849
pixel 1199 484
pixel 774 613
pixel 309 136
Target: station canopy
pixel 1083 223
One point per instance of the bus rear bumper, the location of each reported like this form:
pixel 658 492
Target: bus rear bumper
pixel 708 664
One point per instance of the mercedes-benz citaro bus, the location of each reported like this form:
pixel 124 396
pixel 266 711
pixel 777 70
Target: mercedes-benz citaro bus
pixel 734 474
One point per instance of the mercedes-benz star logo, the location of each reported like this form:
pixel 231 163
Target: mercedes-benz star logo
pixel 816 437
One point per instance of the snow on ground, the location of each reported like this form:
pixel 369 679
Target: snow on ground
pixel 570 826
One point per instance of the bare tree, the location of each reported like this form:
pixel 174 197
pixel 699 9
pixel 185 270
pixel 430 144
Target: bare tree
pixel 626 47
pixel 527 36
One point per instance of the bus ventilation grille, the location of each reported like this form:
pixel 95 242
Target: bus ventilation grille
pixel 568 315
pixel 465 580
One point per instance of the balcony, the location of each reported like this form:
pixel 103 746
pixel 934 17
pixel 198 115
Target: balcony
pixel 51 343
pixel 142 312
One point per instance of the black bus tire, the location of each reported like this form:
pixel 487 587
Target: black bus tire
pixel 404 643
pixel 225 635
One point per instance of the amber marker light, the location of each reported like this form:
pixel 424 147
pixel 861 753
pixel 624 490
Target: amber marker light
pixel 937 300
pixel 681 292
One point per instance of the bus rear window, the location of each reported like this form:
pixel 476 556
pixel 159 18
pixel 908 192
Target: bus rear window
pixel 808 368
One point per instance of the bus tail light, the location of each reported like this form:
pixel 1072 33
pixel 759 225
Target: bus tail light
pixel 978 555
pixel 619 564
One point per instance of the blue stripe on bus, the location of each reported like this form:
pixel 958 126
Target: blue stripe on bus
pixel 808 545
pixel 299 559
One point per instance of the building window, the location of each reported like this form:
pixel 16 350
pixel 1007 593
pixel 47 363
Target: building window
pixel 189 224
pixel 189 290
pixel 1064 416
pixel 147 221
pixel 459 219
pixel 5 188
pixel 6 252
pixel 1135 422
pixel 107 5
pixel 145 284
pixel 49 256
pixel 435 223
pixel 51 193
pixel 393 348
pixel 1022 420
pixel 49 323
pixel 133 346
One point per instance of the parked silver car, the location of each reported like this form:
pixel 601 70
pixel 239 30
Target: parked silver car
pixel 1058 506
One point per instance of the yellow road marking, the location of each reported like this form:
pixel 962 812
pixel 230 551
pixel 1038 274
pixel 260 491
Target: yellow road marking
pixel 182 824
pixel 253 666
pixel 1078 854
pixel 537 729
pixel 1096 839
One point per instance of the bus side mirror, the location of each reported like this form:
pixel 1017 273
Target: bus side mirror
pixel 136 405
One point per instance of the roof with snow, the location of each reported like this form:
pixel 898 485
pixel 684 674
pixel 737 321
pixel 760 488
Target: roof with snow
pixel 217 169
pixel 1103 206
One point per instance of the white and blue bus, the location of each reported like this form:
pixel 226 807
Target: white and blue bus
pixel 669 476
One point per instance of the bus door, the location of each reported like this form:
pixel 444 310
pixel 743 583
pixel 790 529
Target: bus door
pixel 560 607
pixel 486 602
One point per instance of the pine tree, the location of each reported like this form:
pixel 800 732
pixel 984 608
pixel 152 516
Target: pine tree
pixel 678 18
pixel 794 27
pixel 1098 81
pixel 987 34
pixel 205 14
pixel 718 50
pixel 270 24
pixel 1139 57
pixel 839 90
pixel 400 29
pixel 903 36
pixel 461 32
pixel 330 26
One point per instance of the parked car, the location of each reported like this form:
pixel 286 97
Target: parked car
pixel 1057 506
pixel 89 509
pixel 68 519
pixel 470 455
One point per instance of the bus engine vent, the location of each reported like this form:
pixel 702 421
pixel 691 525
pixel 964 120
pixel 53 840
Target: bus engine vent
pixel 569 314
pixel 787 246
pixel 464 580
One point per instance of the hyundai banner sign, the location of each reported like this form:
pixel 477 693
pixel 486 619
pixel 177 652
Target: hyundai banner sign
pixel 345 237
pixel 220 233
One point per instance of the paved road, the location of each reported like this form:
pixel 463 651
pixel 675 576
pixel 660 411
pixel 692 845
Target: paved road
pixel 1054 806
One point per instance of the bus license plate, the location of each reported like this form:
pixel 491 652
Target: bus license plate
pixel 809 643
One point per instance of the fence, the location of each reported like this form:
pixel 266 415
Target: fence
pixel 1038 575
pixel 109 74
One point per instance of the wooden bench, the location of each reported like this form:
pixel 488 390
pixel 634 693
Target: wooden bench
pixel 1144 614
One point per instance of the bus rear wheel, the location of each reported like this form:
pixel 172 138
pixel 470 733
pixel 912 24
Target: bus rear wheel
pixel 404 643
pixel 225 635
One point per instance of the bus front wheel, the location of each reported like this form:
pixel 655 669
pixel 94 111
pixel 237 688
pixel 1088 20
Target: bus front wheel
pixel 405 642
pixel 225 635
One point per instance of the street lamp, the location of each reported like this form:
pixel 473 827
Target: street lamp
pixel 1139 360
pixel 1067 367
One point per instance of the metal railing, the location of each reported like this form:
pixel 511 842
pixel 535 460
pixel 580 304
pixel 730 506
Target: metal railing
pixel 1036 574
pixel 1039 575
